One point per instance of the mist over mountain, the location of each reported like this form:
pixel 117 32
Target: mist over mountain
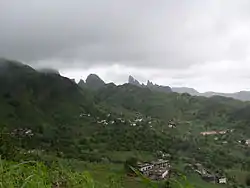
pixel 150 85
pixel 190 91
pixel 49 71
pixel 242 95
pixel 95 82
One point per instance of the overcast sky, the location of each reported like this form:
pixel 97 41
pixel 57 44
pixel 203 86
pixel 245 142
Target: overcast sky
pixel 203 44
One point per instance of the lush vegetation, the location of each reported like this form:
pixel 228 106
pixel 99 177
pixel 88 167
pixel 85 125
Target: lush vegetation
pixel 34 174
pixel 45 117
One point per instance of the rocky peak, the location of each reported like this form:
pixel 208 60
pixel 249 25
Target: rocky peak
pixel 149 83
pixel 95 82
pixel 81 83
pixel 133 81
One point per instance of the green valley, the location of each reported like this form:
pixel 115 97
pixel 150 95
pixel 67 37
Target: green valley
pixel 54 130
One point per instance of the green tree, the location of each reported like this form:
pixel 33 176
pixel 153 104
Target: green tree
pixel 129 164
pixel 8 149
pixel 247 180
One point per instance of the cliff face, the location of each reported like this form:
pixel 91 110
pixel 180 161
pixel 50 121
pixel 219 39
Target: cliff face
pixel 94 82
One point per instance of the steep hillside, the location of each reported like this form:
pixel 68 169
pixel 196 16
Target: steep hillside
pixel 46 103
pixel 64 117
pixel 28 94
pixel 168 106
pixel 94 82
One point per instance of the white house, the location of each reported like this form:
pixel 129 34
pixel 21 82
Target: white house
pixel 223 180
pixel 165 174
pixel 155 170
pixel 139 120
pixel 248 142
pixel 145 167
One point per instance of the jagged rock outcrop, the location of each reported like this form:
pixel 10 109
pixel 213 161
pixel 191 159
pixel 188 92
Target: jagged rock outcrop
pixel 94 82
pixel 81 83
pixel 150 85
pixel 133 81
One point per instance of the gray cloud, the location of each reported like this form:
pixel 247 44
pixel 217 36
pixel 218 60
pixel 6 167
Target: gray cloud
pixel 149 33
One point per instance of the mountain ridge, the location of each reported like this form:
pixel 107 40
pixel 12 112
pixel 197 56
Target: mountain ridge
pixel 94 82
pixel 97 83
pixel 150 85
pixel 241 95
pixel 95 122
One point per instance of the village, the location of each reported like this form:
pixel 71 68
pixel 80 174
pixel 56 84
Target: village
pixel 205 174
pixel 161 170
pixel 139 119
pixel 245 142
pixel 109 120
pixel 155 170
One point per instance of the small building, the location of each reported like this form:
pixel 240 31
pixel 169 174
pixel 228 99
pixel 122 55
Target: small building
pixel 161 163
pixel 206 175
pixel 139 120
pixel 155 170
pixel 248 142
pixel 213 132
pixel 171 124
pixel 222 132
pixel 208 133
pixel 145 168
pixel 222 180
pixel 201 170
pixel 159 174
pixel 209 178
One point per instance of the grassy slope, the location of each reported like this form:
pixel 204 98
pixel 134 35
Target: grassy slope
pixel 167 106
pixel 199 183
pixel 31 175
